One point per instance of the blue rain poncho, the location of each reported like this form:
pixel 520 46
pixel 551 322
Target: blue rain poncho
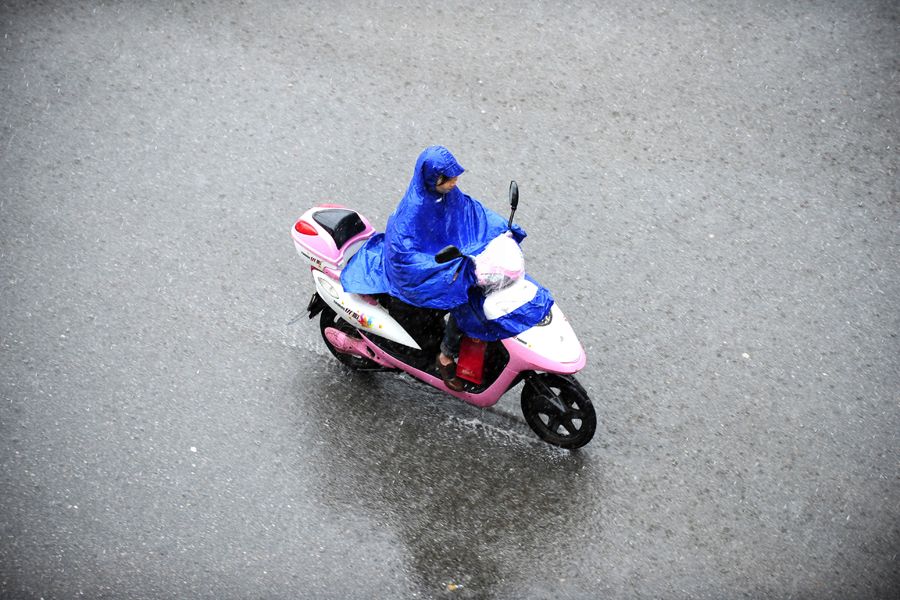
pixel 400 262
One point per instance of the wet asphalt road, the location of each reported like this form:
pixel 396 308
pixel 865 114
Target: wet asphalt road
pixel 711 192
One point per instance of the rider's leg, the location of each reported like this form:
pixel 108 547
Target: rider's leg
pixel 451 341
pixel 449 351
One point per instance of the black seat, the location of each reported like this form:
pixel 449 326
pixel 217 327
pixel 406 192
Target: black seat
pixel 340 223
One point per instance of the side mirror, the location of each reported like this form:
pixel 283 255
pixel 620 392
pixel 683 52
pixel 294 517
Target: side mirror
pixel 447 254
pixel 513 201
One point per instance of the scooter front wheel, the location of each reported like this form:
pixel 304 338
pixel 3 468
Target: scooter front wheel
pixel 558 409
pixel 329 319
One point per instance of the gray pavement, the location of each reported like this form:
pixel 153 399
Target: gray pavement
pixel 710 190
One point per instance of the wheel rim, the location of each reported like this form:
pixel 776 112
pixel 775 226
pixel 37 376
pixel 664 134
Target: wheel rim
pixel 565 423
pixel 559 411
pixel 565 420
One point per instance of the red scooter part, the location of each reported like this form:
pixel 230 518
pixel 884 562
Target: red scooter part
pixel 470 365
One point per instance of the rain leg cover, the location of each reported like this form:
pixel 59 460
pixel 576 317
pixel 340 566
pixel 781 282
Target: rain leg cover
pixel 471 320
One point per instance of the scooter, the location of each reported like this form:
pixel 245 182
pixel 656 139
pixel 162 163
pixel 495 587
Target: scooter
pixel 368 333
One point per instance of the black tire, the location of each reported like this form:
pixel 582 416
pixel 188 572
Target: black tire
pixel 558 409
pixel 329 318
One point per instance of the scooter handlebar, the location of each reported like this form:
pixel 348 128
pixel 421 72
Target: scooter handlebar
pixel 447 254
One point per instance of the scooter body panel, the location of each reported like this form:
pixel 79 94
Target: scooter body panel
pixel 552 347
pixel 316 245
pixel 487 397
pixel 360 311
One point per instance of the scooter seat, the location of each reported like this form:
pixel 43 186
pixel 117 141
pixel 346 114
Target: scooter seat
pixel 340 223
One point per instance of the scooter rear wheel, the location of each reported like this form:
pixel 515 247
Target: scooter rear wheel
pixel 558 409
pixel 329 319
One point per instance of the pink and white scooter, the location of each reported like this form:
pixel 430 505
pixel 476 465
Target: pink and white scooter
pixel 383 334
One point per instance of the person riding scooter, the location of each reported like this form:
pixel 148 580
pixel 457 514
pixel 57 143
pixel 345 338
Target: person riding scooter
pixel 434 213
pixel 444 251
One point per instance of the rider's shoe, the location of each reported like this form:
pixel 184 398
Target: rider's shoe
pixel 448 374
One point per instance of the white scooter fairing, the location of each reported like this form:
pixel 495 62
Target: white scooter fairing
pixel 553 338
pixel 362 312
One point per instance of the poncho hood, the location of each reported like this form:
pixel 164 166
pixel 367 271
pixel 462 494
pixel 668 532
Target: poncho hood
pixel 434 162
